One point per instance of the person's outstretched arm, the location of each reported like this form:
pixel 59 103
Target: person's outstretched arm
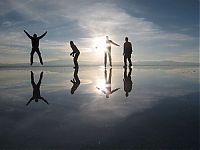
pixel 42 98
pixel 29 101
pixel 115 43
pixel 114 90
pixel 42 35
pixel 28 34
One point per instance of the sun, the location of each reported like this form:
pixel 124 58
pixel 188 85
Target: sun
pixel 99 43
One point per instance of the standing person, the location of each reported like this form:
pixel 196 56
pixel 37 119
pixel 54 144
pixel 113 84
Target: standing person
pixel 75 53
pixel 108 51
pixel 127 52
pixel 35 45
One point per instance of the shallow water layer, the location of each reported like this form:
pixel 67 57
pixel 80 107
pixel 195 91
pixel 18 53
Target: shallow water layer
pixel 94 108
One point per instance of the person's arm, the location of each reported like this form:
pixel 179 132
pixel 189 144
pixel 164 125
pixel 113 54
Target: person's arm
pixel 28 34
pixel 42 35
pixel 42 98
pixel 114 90
pixel 131 47
pixel 114 43
pixel 124 50
pixel 29 101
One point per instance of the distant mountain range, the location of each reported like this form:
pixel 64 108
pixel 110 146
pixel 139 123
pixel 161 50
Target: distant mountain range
pixel 85 63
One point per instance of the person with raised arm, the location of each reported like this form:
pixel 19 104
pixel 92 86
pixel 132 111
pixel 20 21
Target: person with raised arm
pixel 35 45
pixel 108 51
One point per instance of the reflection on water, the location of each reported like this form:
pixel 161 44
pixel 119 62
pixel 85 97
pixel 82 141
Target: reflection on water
pixel 76 82
pixel 158 111
pixel 106 89
pixel 127 81
pixel 36 89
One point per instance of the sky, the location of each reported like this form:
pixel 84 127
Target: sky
pixel 158 29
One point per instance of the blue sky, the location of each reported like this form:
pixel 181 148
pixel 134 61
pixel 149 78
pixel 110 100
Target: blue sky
pixel 158 29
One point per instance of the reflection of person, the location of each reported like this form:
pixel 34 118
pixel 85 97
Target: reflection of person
pixel 108 51
pixel 75 53
pixel 75 81
pixel 35 45
pixel 127 81
pixel 127 52
pixel 36 89
pixel 107 90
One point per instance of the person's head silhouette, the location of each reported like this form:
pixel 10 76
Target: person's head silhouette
pixel 126 94
pixel 126 39
pixel 71 43
pixel 34 35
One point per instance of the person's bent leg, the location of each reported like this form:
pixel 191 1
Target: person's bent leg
pixel 75 60
pixel 40 57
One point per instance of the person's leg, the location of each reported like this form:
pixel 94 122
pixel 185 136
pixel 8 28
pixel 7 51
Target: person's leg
pixel 40 57
pixel 129 59
pixel 110 59
pixel 75 60
pixel 125 61
pixel 105 59
pixel 31 54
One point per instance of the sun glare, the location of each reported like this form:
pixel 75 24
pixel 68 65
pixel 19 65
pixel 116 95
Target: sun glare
pixel 100 84
pixel 100 44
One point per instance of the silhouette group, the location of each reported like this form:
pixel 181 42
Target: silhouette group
pixel 75 51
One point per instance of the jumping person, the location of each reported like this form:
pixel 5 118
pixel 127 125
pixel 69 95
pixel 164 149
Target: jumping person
pixel 75 53
pixel 36 89
pixel 108 51
pixel 127 52
pixel 35 45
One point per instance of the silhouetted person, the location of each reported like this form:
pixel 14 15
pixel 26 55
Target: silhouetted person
pixel 127 81
pixel 108 89
pixel 75 53
pixel 36 89
pixel 127 52
pixel 76 82
pixel 35 45
pixel 108 51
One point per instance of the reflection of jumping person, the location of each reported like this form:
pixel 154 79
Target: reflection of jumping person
pixel 76 82
pixel 75 53
pixel 36 89
pixel 127 81
pixel 108 90
pixel 108 51
pixel 127 52
pixel 35 45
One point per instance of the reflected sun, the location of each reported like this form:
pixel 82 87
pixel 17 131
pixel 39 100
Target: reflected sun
pixel 100 84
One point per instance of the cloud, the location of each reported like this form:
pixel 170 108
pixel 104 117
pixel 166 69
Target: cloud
pixel 81 21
